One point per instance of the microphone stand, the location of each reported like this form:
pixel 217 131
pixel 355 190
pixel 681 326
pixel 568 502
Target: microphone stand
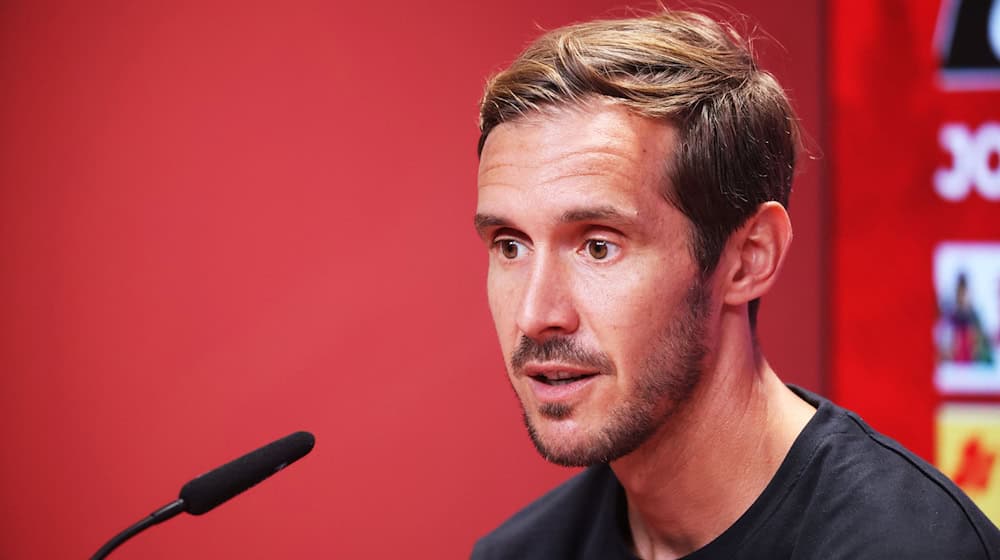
pixel 158 516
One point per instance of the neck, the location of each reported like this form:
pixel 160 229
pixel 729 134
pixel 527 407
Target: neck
pixel 714 455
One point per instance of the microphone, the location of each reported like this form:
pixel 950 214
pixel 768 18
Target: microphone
pixel 211 489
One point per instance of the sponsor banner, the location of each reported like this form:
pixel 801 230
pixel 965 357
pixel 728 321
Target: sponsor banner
pixel 914 159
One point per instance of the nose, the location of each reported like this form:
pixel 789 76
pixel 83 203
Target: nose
pixel 547 308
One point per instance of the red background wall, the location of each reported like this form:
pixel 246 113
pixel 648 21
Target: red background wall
pixel 223 222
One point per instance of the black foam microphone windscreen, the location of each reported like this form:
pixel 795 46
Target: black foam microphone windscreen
pixel 215 487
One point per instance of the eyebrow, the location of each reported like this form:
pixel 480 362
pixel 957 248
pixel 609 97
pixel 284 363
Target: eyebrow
pixel 486 221
pixel 602 213
pixel 573 215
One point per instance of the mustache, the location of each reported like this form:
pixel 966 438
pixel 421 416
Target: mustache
pixel 558 349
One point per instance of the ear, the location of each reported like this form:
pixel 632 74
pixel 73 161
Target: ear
pixel 755 253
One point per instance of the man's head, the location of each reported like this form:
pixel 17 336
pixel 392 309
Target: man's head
pixel 738 133
pixel 619 161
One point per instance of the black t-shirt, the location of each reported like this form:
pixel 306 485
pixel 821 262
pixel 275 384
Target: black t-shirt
pixel 843 492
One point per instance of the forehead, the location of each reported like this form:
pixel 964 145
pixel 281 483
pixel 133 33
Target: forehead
pixel 599 151
pixel 596 138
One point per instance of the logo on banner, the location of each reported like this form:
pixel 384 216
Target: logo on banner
pixel 968 43
pixel 973 153
pixel 968 446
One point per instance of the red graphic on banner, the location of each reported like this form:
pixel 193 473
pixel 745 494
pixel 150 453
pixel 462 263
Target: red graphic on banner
pixel 977 463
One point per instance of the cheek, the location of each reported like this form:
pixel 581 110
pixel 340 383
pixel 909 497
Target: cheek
pixel 628 301
pixel 629 315
pixel 502 295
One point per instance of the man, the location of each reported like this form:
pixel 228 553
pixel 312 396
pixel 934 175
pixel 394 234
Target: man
pixel 632 188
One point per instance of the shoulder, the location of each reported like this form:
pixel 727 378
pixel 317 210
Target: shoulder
pixel 868 496
pixel 552 526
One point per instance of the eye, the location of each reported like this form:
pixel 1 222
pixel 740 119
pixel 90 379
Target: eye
pixel 510 248
pixel 600 250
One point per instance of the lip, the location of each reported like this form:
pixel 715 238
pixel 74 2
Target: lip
pixel 546 393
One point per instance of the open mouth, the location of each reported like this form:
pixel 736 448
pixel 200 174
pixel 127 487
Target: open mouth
pixel 561 377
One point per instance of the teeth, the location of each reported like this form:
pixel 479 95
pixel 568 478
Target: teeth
pixel 560 377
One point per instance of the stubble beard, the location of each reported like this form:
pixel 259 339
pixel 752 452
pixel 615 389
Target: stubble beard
pixel 666 381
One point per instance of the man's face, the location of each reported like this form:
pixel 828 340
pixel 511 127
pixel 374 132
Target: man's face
pixel 597 303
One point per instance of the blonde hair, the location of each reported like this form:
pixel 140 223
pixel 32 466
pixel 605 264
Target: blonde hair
pixel 738 135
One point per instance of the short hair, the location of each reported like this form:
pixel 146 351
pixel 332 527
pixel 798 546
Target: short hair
pixel 738 135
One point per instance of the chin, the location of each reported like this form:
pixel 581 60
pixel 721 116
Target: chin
pixel 565 442
pixel 566 435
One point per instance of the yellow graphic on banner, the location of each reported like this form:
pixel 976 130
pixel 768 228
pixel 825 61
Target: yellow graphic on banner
pixel 968 451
